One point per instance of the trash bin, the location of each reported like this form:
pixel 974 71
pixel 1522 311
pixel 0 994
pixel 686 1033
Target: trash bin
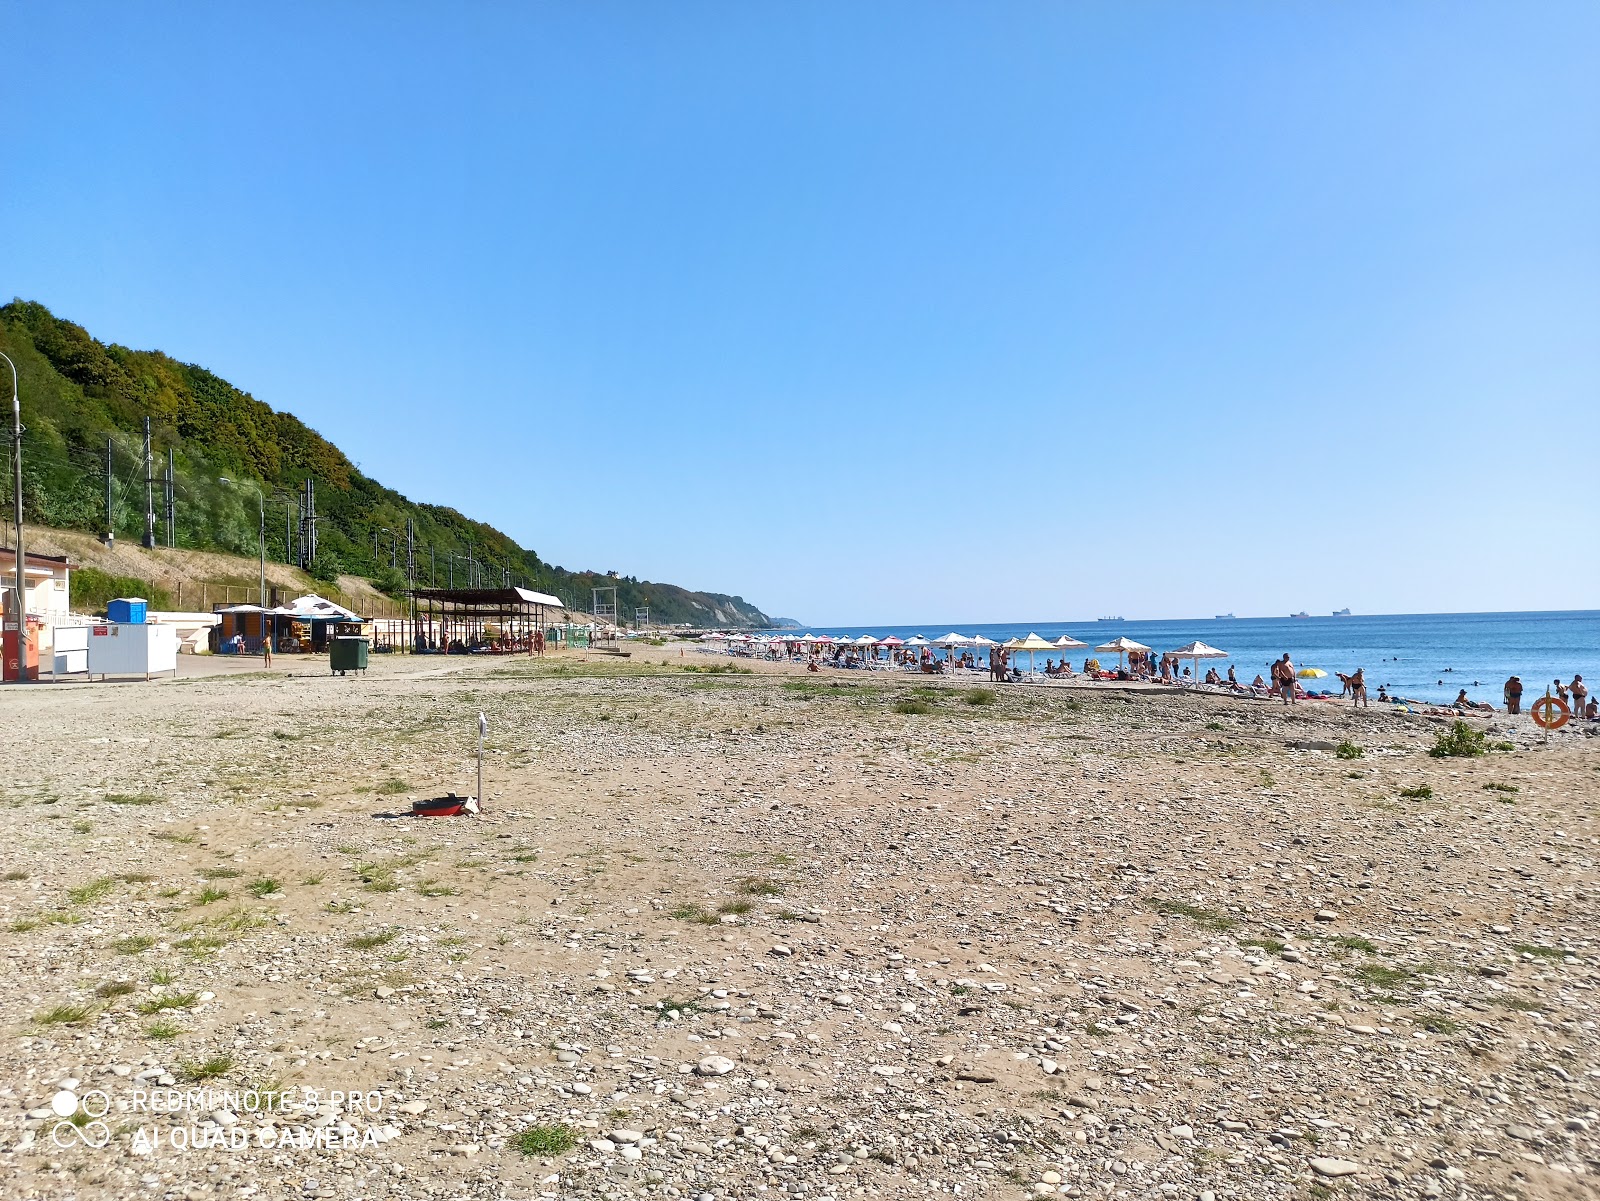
pixel 347 653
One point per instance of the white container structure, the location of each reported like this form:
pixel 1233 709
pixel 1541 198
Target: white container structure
pixel 71 650
pixel 132 650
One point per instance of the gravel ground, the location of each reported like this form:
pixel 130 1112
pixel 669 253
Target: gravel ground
pixel 769 934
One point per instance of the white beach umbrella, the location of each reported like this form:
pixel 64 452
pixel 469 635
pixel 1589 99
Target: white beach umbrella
pixel 980 640
pixel 953 639
pixel 1030 644
pixel 917 640
pixel 1122 646
pixel 865 640
pixel 1067 643
pixel 1198 651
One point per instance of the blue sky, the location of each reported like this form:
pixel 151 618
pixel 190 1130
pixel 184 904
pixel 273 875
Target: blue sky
pixel 876 312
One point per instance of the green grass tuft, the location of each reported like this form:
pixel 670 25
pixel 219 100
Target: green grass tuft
pixel 546 1141
pixel 1348 750
pixel 1210 919
pixel 1460 741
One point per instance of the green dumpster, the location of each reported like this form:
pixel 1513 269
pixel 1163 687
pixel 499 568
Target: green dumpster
pixel 347 653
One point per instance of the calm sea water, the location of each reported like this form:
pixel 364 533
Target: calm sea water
pixel 1427 656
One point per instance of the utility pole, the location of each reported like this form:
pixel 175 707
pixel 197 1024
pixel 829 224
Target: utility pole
pixel 411 552
pixel 288 531
pixel 111 524
pixel 19 588
pixel 172 502
pixel 433 568
pixel 149 542
pixel 394 551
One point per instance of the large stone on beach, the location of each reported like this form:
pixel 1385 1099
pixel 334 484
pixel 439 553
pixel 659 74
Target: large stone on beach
pixel 1335 1167
pixel 715 1065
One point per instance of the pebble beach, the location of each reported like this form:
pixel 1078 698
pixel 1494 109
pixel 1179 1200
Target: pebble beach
pixel 728 932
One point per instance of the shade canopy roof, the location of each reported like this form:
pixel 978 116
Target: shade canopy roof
pixel 311 606
pixel 980 640
pixel 953 639
pixel 1199 650
pixel 916 640
pixel 1067 642
pixel 489 598
pixel 1122 645
pixel 1031 643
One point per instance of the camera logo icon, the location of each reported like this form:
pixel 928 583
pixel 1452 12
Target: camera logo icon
pixel 80 1118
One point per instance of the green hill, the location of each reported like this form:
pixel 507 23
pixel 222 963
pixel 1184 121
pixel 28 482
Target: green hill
pixel 78 392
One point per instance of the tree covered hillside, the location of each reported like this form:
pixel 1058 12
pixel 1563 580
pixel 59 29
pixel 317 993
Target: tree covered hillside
pixel 77 392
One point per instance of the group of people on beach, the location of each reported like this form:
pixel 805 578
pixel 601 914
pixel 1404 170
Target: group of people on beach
pixel 1574 696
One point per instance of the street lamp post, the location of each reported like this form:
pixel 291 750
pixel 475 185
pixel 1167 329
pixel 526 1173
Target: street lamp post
pixel 261 504
pixel 21 586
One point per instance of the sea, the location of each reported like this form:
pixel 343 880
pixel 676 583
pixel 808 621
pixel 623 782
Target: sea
pixel 1420 656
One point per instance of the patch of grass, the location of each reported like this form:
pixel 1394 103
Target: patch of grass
pixel 789 915
pixel 82 826
pixel 1508 788
pixel 64 1015
pixel 392 787
pixel 1266 777
pixel 163 1031
pixel 684 1008
pixel 434 888
pixel 13 876
pixel 132 798
pixel 717 669
pixel 1437 1023
pixel 211 893
pixel 132 944
pixel 265 887
pixel 982 696
pixel 366 942
pixel 23 924
pixel 114 988
pixel 913 705
pixel 737 908
pixel 94 890
pixel 1520 1004
pixel 1348 750
pixel 1354 775
pixel 693 911
pixel 1381 976
pixel 1209 919
pixel 545 1141
pixel 161 976
pixel 166 1001
pixel 168 836
pixel 1540 952
pixel 1460 741
pixel 1270 945
pixel 760 886
pixel 1354 942
pixel 136 878
pixel 436 1023
pixel 1422 792
pixel 1215 725
pixel 1501 745
pixel 221 873
pixel 206 1069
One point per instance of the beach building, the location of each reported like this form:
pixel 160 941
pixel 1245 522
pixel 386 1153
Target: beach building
pixel 479 620
pixel 47 597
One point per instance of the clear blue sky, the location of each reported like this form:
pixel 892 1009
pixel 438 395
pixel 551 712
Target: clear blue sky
pixel 875 312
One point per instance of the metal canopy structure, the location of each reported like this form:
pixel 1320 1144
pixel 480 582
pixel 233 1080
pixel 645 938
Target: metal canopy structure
pixel 490 620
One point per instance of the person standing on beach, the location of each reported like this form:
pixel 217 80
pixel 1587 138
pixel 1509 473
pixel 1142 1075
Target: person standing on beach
pixel 1513 695
pixel 1283 675
pixel 1580 693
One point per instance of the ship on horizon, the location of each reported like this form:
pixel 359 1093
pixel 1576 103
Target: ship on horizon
pixel 1111 619
pixel 1341 612
pixel 1302 613
pixel 1225 617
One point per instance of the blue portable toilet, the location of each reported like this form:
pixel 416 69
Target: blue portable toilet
pixel 126 610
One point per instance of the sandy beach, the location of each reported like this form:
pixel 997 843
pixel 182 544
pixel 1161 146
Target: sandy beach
pixel 765 933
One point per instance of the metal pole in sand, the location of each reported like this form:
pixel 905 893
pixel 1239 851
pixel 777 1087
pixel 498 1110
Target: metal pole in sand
pixel 483 728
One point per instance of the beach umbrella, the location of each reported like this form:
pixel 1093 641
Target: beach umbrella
pixel 950 641
pixel 917 640
pixel 1030 644
pixel 1311 673
pixel 1198 651
pixel 980 640
pixel 1067 642
pixel 1122 646
pixel 866 640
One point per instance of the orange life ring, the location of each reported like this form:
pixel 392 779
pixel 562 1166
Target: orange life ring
pixel 1550 712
